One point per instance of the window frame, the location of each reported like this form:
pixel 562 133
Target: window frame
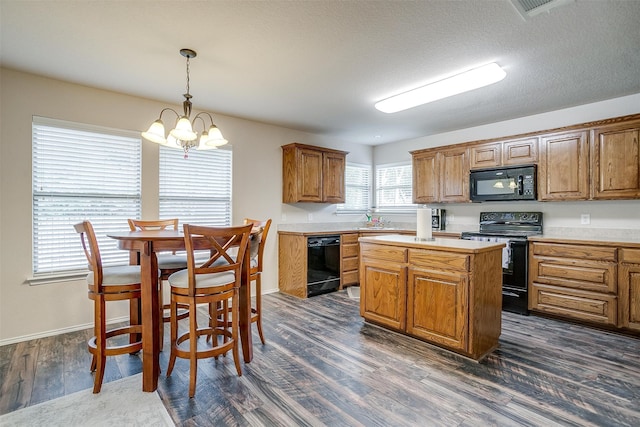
pixel 394 209
pixel 340 208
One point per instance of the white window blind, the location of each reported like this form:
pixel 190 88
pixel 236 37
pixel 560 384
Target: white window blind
pixel 81 172
pixel 196 190
pixel 393 187
pixel 357 188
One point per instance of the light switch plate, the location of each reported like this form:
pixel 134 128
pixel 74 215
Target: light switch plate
pixel 585 219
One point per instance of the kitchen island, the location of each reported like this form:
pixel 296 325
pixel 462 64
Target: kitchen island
pixel 444 291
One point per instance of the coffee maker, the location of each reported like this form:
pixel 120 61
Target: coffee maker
pixel 438 219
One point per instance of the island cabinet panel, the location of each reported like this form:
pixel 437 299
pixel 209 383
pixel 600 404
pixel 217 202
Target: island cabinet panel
pixel 616 161
pixel 437 307
pixel 453 291
pixel 384 300
pixel 574 281
pixel 629 289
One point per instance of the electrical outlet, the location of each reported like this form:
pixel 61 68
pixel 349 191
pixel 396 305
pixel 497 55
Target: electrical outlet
pixel 283 217
pixel 585 219
pixel 449 218
pixel 310 216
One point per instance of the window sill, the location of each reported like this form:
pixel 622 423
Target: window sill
pixel 67 276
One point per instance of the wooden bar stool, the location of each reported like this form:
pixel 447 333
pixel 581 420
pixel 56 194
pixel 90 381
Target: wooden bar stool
pixel 210 282
pixel 109 284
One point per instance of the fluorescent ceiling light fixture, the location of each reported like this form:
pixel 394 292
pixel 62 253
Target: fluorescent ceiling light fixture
pixel 463 82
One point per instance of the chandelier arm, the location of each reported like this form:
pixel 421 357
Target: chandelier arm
pixel 203 122
pixel 170 109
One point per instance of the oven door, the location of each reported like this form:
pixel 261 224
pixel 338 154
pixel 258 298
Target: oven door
pixel 514 272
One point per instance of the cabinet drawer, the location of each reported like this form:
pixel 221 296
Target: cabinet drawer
pixel 631 256
pixel 389 253
pixel 439 260
pixel 349 238
pixel 574 303
pixel 350 264
pixel 349 278
pixel 577 274
pixel 350 250
pixel 600 253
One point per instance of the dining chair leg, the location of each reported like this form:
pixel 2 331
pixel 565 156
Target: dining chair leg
pixel 173 307
pixel 259 306
pixel 161 311
pixel 235 315
pixel 101 344
pixel 193 347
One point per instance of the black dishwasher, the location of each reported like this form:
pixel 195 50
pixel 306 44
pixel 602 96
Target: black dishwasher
pixel 323 264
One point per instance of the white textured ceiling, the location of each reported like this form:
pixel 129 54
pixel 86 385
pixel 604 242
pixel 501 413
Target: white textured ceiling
pixel 319 66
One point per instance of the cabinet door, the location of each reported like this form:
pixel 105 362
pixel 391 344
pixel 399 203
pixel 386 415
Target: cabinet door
pixel 454 175
pixel 616 162
pixel 333 177
pixel 629 289
pixel 520 152
pixel 485 155
pixel 564 166
pixel 437 307
pixel 425 177
pixel 384 288
pixel 310 176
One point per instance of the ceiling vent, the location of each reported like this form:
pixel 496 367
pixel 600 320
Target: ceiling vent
pixel 529 8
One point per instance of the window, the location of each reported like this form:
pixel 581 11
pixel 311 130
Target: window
pixel 393 187
pixel 81 172
pixel 196 190
pixel 357 188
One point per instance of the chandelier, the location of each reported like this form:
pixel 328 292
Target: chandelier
pixel 183 136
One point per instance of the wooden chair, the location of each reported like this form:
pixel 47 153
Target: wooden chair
pixel 211 282
pixel 168 263
pixel 220 312
pixel 109 284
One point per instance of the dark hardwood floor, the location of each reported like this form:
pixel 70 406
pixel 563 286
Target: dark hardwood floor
pixel 322 365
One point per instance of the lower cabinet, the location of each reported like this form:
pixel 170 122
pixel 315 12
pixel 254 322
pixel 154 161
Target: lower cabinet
pixel 384 299
pixel 349 250
pixel 629 289
pixel 436 308
pixel 449 298
pixel 598 284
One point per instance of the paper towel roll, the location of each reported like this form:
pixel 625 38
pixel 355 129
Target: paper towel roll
pixel 423 226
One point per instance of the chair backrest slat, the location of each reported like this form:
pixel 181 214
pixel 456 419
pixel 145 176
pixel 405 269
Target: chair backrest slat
pixel 91 251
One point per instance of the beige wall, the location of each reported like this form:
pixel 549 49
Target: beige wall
pixel 29 311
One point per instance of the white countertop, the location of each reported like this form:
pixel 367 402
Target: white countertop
pixel 454 245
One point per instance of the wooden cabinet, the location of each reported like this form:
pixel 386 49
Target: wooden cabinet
pixel 453 296
pixel 505 153
pixel 441 176
pixel 349 259
pixel 383 299
pixel 615 152
pixel 438 295
pixel 574 281
pixel 564 166
pixel 292 264
pixel 312 174
pixel 629 289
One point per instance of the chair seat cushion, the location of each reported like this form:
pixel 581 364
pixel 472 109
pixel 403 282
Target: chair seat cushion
pixel 180 279
pixel 121 275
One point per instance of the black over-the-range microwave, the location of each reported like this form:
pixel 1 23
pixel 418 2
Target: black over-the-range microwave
pixel 502 184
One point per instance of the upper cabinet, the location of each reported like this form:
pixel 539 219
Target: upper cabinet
pixel 616 161
pixel 441 176
pixel 563 172
pixel 522 151
pixel 312 174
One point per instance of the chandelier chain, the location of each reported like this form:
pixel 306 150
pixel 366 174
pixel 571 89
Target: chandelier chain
pixel 187 75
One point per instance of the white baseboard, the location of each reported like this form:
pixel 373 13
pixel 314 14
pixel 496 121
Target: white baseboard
pixel 53 332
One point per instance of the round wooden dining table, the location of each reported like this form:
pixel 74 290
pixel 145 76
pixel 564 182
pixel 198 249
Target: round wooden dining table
pixel 143 246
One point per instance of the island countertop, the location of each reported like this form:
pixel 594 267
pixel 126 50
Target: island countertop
pixel 451 245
